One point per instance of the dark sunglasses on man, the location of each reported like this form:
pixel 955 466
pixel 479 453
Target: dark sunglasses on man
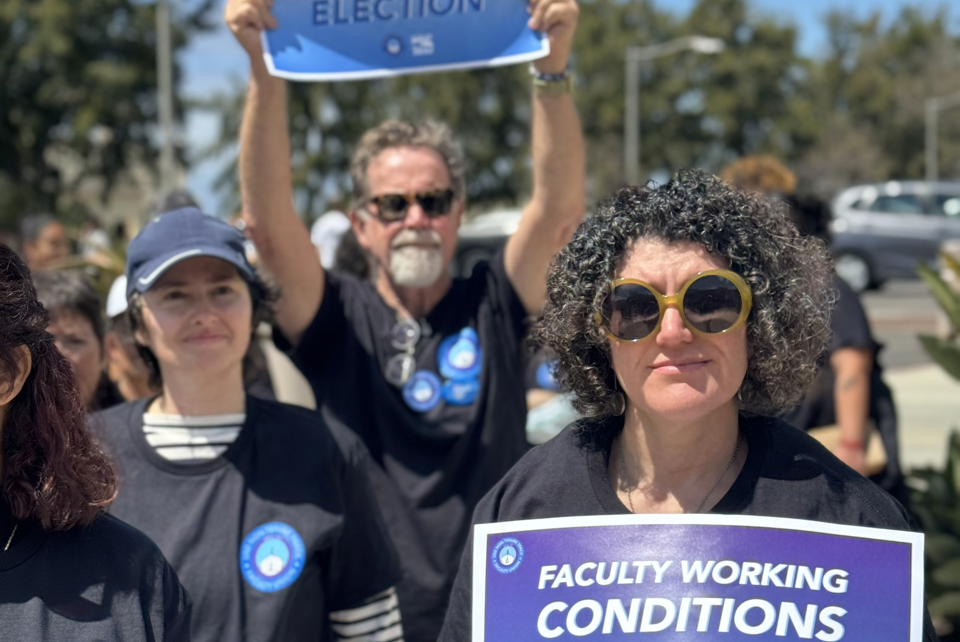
pixel 393 207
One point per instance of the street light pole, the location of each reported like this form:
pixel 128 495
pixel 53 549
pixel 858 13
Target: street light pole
pixel 165 97
pixel 931 149
pixel 631 119
pixel 631 124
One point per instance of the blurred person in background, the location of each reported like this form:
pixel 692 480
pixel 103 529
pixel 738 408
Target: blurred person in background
pixel 264 509
pixel 44 242
pixel 848 393
pixel 428 370
pixel 68 571
pixel 76 323
pixel 326 233
pixel 125 368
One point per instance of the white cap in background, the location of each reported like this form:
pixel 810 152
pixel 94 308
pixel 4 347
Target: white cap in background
pixel 326 234
pixel 117 299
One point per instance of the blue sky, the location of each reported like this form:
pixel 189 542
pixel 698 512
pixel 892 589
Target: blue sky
pixel 215 62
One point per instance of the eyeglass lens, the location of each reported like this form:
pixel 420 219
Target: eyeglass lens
pixel 394 206
pixel 711 305
pixel 633 311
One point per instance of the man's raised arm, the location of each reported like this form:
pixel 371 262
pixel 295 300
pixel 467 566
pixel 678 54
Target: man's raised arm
pixel 282 240
pixel 558 201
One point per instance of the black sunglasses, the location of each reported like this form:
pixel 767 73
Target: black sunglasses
pixel 393 207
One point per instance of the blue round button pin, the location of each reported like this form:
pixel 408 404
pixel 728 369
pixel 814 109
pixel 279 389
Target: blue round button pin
pixel 460 355
pixel 461 392
pixel 546 375
pixel 272 557
pixel 423 391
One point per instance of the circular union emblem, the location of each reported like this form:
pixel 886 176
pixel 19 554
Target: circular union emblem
pixel 423 392
pixel 393 45
pixel 272 557
pixel 507 555
pixel 460 356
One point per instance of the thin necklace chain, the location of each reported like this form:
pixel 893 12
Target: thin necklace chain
pixel 10 539
pixel 733 458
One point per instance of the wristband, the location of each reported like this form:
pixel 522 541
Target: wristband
pixel 546 77
pixel 545 84
pixel 852 445
pixel 553 88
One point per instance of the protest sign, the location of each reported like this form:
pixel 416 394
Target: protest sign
pixel 354 39
pixel 695 577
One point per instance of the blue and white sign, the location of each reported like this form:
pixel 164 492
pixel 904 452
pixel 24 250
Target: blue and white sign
pixel 272 557
pixel 459 357
pixel 424 391
pixel 354 39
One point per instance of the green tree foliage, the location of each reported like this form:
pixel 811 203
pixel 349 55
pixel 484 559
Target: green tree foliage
pixel 870 98
pixel 77 91
pixel 852 113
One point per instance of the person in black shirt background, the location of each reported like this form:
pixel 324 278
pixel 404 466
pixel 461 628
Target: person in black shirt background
pixel 681 316
pixel 264 509
pixel 426 369
pixel 68 571
pixel 848 392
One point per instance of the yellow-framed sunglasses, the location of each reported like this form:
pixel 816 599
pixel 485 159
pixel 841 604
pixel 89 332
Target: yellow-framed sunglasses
pixel 710 303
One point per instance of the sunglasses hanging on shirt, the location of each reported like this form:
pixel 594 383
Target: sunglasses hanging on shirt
pixel 405 336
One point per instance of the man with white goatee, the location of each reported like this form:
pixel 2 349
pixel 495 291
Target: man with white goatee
pixel 426 369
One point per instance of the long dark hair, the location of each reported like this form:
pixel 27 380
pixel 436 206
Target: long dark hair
pixel 53 470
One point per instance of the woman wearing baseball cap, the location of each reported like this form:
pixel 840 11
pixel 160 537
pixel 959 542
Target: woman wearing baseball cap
pixel 263 508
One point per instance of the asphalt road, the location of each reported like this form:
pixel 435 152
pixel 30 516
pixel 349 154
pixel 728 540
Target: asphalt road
pixel 898 312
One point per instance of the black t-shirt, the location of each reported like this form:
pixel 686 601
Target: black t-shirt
pixel 269 537
pixel 438 451
pixel 850 329
pixel 105 582
pixel 787 474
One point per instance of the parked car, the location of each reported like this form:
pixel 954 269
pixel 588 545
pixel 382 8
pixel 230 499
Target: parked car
pixel 882 231
pixel 482 236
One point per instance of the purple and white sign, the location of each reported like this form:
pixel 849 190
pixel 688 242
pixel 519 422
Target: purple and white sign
pixel 697 578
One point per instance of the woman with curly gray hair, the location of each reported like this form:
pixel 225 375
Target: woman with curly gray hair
pixel 684 317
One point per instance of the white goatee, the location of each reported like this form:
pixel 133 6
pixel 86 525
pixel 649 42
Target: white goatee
pixel 416 266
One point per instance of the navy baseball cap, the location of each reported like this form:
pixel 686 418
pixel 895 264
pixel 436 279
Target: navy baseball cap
pixel 179 235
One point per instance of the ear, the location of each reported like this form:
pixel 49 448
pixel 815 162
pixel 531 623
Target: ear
pixel 24 366
pixel 359 222
pixel 141 337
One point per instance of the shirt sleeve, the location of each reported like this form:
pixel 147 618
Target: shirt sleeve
pixel 330 322
pixel 505 301
pixel 458 625
pixel 849 321
pixel 376 620
pixel 363 566
pixel 177 607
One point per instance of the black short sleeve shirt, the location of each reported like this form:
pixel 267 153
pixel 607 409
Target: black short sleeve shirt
pixel 106 581
pixel 850 329
pixel 269 537
pixel 787 474
pixel 445 438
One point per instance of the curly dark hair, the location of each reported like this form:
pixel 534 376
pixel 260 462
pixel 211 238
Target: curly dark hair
pixel 789 275
pixel 53 470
